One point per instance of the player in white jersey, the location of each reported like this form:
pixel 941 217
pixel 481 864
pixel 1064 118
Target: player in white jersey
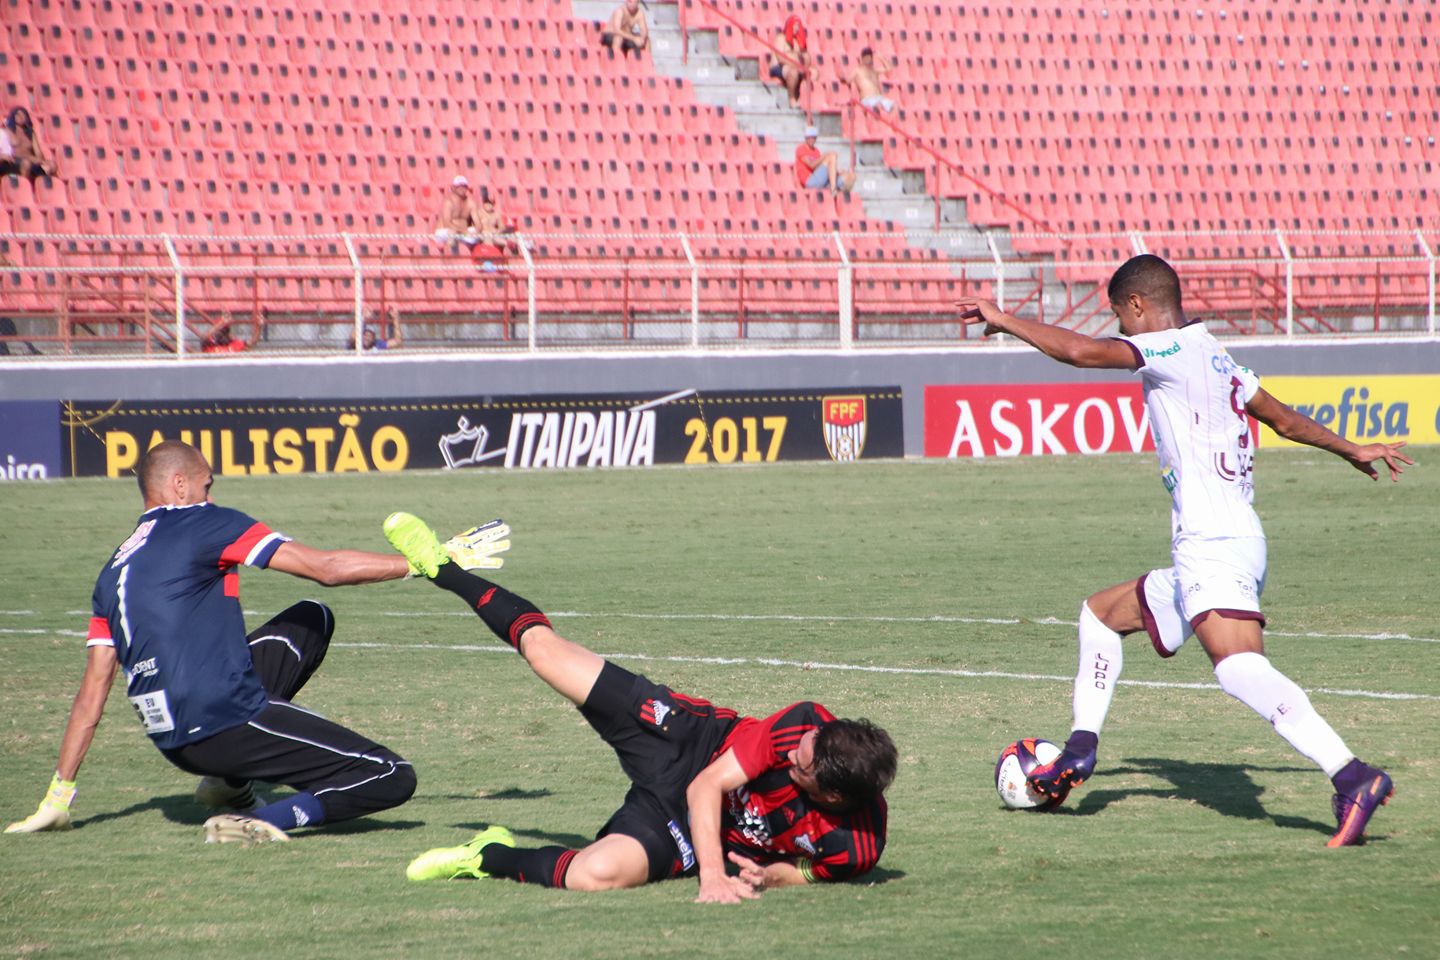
pixel 1199 401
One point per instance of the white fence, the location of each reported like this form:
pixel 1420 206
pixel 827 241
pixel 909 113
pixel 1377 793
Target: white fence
pixel 176 295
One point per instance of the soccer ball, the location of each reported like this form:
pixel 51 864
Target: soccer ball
pixel 1015 763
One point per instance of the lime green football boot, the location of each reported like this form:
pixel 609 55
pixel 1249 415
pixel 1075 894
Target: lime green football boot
pixel 452 863
pixel 408 534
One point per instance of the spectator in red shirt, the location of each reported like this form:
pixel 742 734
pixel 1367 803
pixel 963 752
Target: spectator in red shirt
pixel 221 341
pixel 798 797
pixel 817 171
pixel 797 66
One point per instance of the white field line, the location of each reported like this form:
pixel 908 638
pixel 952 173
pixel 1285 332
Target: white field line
pixel 841 667
pixel 806 618
pixel 863 668
pixel 937 618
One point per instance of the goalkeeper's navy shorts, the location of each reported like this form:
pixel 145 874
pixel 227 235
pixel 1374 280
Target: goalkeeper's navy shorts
pixel 663 739
pixel 349 774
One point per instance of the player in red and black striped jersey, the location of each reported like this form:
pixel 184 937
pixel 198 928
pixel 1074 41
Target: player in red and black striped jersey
pixel 773 818
pixel 794 798
pixel 215 701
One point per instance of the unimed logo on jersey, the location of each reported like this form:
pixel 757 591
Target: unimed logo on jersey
pixel 1013 420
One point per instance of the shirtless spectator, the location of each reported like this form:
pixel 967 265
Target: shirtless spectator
pixel 817 171
pixel 457 215
pixel 796 66
pixel 20 151
pixel 865 81
pixel 626 31
pixel 493 228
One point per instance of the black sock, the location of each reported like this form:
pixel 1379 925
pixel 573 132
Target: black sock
pixel 1082 743
pixel 506 614
pixel 546 866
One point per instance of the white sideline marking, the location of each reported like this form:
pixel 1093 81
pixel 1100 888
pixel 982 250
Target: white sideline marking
pixel 860 668
pixel 936 618
pixel 817 665
pixel 817 618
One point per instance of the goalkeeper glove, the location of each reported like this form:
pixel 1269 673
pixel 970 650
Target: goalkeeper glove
pixel 53 812
pixel 479 548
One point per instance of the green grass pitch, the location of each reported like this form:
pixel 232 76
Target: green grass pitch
pixel 1202 834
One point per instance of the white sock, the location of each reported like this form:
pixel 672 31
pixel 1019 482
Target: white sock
pixel 1101 658
pixel 1251 679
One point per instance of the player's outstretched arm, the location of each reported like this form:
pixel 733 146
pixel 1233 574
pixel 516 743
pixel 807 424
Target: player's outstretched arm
pixel 1295 426
pixel 705 796
pixel 336 568
pixel 85 713
pixel 1067 346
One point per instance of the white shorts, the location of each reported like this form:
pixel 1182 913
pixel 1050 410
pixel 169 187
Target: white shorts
pixel 1227 576
pixel 878 103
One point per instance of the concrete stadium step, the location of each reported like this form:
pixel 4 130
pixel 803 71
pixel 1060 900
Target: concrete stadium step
pixel 763 110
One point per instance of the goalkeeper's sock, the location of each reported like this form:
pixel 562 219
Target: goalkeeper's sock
pixel 301 810
pixel 546 866
pixel 1101 657
pixel 506 614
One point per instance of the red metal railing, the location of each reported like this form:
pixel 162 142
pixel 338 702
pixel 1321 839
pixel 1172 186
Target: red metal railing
pixel 753 35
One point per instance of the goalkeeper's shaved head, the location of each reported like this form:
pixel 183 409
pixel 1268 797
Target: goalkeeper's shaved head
pixel 163 461
pixel 1147 276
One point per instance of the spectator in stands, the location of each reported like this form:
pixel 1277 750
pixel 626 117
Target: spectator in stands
pixel 796 66
pixel 457 215
pixel 20 150
pixel 817 171
pixel 221 341
pixel 865 81
pixel 626 31
pixel 370 340
pixel 493 228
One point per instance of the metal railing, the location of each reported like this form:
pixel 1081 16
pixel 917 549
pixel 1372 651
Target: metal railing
pixel 175 295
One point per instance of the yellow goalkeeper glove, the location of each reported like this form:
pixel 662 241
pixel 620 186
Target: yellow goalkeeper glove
pixel 479 548
pixel 53 812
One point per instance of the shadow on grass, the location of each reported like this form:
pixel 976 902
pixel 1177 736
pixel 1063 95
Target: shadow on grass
pixel 572 841
pixel 876 877
pixel 510 793
pixel 366 825
pixel 1226 788
pixel 178 808
pixel 181 808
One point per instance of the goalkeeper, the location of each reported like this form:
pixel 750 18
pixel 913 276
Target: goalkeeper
pixel 216 702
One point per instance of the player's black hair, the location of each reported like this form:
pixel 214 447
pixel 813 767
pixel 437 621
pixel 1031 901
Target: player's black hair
pixel 855 759
pixel 866 52
pixel 1150 277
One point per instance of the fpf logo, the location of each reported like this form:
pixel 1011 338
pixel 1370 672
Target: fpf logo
pixel 843 422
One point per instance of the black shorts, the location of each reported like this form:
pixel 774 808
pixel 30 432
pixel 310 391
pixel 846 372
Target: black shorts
pixel 626 45
pixel 350 774
pixel 777 70
pixel 663 739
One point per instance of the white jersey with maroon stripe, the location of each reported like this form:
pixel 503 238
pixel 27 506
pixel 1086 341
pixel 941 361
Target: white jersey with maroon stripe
pixel 1196 394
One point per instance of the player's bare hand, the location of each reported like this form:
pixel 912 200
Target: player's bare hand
pixel 726 889
pixel 982 311
pixel 1366 457
pixel 750 872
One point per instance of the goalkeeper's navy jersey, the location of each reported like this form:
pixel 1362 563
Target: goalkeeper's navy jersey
pixel 169 602
pixel 770 818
